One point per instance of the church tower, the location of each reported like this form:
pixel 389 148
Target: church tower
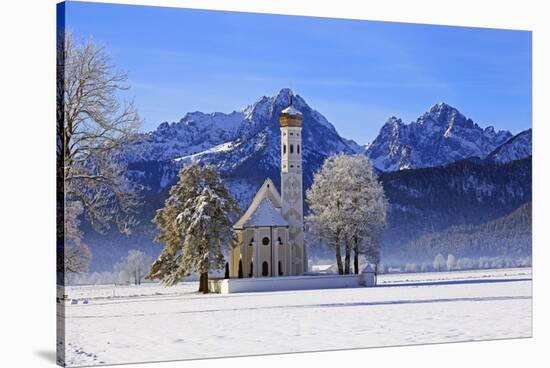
pixel 290 121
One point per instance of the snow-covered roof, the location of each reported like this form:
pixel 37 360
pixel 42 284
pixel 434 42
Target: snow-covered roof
pixel 267 190
pixel 369 269
pixel 291 110
pixel 265 215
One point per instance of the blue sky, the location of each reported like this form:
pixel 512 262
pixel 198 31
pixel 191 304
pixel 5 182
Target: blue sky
pixel 356 73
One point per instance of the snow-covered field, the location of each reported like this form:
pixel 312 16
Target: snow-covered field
pixel 404 309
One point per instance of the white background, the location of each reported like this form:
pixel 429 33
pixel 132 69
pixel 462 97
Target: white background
pixel 27 180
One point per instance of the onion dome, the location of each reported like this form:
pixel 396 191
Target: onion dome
pixel 290 116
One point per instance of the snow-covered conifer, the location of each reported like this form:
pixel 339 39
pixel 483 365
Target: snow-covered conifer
pixel 195 223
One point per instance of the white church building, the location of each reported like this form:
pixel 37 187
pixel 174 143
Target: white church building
pixel 270 234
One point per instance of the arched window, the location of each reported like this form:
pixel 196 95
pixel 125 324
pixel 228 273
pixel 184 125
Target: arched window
pixel 298 148
pixel 240 275
pixel 291 148
pixel 265 269
pixel 251 274
pixel 284 149
pixel 280 269
pixel 265 241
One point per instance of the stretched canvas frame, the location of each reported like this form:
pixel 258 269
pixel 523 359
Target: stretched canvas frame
pixel 432 218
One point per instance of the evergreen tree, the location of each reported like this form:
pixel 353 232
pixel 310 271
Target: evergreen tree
pixel 195 223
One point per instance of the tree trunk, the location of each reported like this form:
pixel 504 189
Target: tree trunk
pixel 356 255
pixel 203 283
pixel 348 255
pixel 339 256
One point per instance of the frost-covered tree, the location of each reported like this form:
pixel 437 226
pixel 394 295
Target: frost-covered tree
pixel 450 262
pixel 93 124
pixel 133 267
pixel 76 255
pixel 347 207
pixel 425 267
pixel 439 262
pixel 194 224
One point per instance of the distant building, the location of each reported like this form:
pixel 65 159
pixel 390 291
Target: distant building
pixel 325 268
pixel 270 234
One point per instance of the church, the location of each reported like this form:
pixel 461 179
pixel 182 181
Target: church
pixel 270 234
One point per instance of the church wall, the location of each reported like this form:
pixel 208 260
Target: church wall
pixel 264 251
pixel 235 255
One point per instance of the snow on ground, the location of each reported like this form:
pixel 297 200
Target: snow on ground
pixel 404 309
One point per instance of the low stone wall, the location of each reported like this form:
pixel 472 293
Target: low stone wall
pixel 245 285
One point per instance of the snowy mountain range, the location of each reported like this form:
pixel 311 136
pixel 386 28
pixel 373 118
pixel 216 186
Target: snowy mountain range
pixel 517 147
pixel 244 145
pixel 440 136
pixel 201 137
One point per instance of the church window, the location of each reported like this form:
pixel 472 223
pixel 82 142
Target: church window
pixel 280 269
pixel 291 148
pixel 251 242
pixel 251 269
pixel 265 269
pixel 240 273
pixel 284 149
pixel 298 148
pixel 265 241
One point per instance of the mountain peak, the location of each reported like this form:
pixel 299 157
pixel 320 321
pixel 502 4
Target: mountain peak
pixel 283 97
pixel 438 137
pixel 441 106
pixel 392 120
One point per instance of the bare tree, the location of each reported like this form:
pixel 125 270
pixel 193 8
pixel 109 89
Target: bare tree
pixel 93 125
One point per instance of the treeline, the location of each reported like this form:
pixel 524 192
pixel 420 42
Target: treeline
pixel 441 263
pixel 509 235
pixel 465 193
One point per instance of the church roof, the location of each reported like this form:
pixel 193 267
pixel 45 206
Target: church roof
pixel 265 215
pixel 267 190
